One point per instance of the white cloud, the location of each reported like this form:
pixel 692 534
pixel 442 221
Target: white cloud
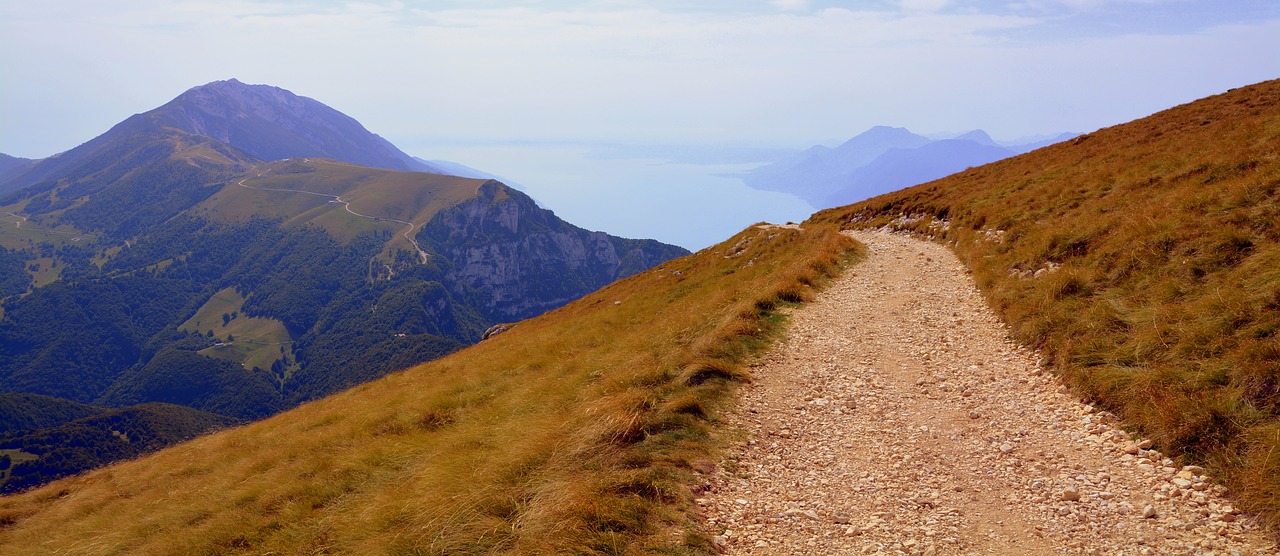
pixel 1087 5
pixel 924 5
pixel 790 5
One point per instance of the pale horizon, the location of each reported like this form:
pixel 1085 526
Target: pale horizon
pixel 631 117
pixel 781 73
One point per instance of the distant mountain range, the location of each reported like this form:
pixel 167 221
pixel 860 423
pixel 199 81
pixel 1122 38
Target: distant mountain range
pixel 242 249
pixel 880 160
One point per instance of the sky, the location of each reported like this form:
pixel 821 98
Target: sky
pixel 444 76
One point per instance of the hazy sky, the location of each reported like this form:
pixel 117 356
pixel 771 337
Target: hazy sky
pixel 536 90
pixel 787 72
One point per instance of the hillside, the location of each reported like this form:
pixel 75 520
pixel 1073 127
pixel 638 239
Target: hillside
pixel 345 200
pixel 139 151
pixel 47 453
pixel 577 431
pixel 158 264
pixel 12 165
pixel 20 411
pixel 1143 260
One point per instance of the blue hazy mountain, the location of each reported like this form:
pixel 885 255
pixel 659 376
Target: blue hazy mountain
pixel 880 160
pixel 8 163
pixel 13 166
pixel 900 168
pixel 813 173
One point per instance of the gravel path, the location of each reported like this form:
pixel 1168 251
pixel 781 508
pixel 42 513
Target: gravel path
pixel 898 418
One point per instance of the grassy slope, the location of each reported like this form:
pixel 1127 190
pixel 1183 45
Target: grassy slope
pixel 17 234
pixel 574 432
pixel 257 340
pixel 1160 299
pixel 408 196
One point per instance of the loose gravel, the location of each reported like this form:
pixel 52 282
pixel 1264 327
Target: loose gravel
pixel 899 418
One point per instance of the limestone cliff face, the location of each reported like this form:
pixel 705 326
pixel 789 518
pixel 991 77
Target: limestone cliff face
pixel 522 260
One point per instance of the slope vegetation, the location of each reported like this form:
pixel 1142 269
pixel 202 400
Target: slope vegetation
pixel 573 432
pixel 56 451
pixel 180 257
pixel 345 200
pixel 20 411
pixel 1144 259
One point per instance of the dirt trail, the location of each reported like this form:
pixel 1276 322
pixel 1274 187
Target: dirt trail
pixel 898 418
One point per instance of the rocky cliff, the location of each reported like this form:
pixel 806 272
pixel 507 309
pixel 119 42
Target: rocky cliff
pixel 523 260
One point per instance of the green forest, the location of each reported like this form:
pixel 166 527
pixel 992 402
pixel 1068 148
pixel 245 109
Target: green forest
pixel 108 336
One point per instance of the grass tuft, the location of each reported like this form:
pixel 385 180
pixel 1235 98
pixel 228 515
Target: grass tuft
pixel 695 374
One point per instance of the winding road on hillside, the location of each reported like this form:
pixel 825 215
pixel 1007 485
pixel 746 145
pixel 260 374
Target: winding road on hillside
pixel 898 418
pixel 23 220
pixel 408 234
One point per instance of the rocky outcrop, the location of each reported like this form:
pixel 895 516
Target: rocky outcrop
pixel 524 260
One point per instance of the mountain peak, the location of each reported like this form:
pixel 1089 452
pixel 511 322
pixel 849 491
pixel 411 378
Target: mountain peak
pixel 222 82
pixel 885 130
pixel 236 88
pixel 977 136
pixel 272 123
pixel 866 146
pixel 883 134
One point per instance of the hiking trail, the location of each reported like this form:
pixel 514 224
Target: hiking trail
pixel 899 418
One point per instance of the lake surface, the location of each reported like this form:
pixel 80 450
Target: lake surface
pixel 692 202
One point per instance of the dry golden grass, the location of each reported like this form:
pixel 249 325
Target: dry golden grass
pixel 1165 302
pixel 575 432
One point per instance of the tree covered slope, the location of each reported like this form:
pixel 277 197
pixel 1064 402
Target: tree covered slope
pixel 172 259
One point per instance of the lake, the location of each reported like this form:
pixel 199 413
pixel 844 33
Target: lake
pixel 686 197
